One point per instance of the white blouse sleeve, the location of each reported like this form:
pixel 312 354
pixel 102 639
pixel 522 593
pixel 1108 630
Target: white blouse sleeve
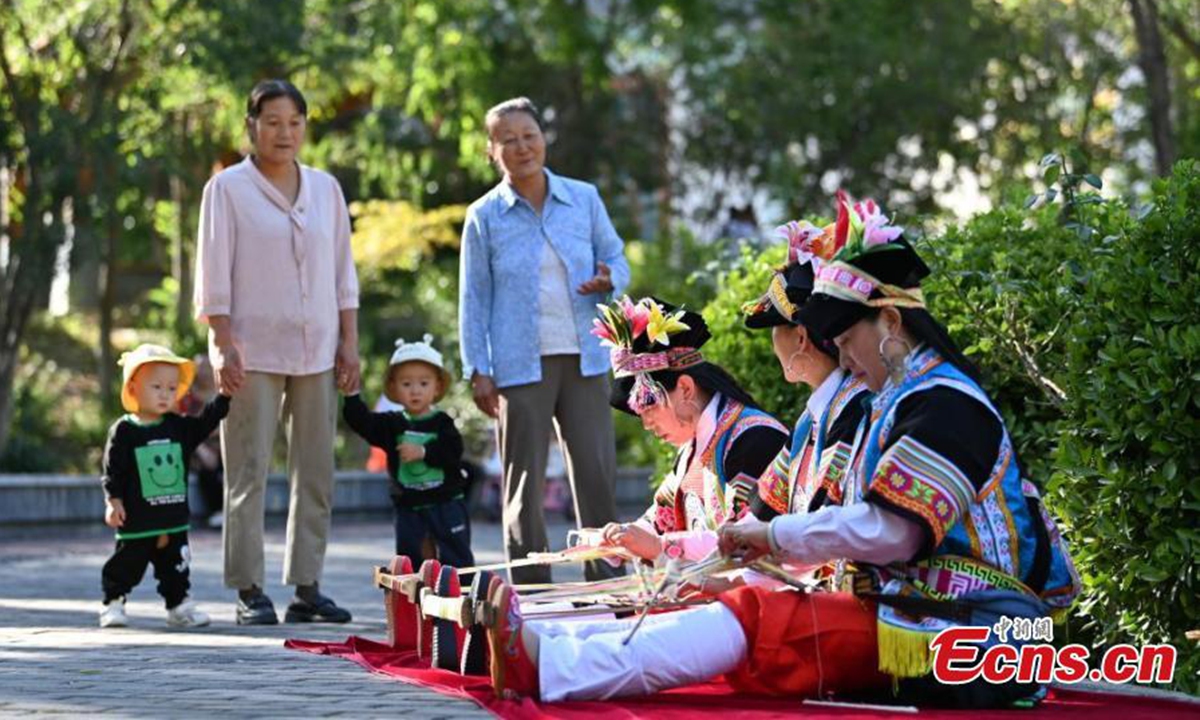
pixel 864 532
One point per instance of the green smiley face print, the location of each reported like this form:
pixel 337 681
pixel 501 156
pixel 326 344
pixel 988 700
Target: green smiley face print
pixel 417 475
pixel 160 469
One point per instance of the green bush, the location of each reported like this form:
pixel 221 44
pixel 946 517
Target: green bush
pixel 1007 284
pixel 59 425
pixel 1127 457
pixel 747 354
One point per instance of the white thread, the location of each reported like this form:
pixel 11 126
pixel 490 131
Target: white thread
pixel 817 634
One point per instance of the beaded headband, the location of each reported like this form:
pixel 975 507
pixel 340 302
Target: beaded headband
pixel 844 281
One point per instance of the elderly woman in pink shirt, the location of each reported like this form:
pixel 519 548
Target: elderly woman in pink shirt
pixel 275 281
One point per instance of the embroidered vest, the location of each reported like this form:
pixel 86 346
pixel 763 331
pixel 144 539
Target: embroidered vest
pixel 795 479
pixel 996 546
pixel 703 497
pixel 998 537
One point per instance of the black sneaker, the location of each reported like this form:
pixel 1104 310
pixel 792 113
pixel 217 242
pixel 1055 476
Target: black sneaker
pixel 256 610
pixel 323 610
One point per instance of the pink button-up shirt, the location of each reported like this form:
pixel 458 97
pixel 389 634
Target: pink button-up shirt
pixel 280 271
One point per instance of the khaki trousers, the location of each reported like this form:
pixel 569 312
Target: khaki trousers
pixel 307 405
pixel 576 408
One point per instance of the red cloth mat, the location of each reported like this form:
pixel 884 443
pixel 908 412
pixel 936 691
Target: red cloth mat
pixel 715 697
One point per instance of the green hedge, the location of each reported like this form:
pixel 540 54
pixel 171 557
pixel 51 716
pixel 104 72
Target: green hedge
pixel 747 354
pixel 1128 477
pixel 1088 343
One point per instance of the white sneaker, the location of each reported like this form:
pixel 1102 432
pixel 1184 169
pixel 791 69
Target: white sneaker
pixel 186 614
pixel 113 614
pixel 217 521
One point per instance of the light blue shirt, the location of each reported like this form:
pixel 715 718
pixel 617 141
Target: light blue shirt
pixel 502 243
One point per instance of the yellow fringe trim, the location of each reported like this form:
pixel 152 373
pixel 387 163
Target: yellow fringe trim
pixel 904 653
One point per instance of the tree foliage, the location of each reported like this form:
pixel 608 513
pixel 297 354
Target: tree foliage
pixel 397 235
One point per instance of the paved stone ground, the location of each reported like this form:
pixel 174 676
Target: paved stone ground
pixel 55 661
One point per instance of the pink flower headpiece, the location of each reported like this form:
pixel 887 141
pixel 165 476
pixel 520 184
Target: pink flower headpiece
pixel 801 237
pixel 861 226
pixel 620 325
pixel 624 321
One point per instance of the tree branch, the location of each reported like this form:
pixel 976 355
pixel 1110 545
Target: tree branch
pixel 25 115
pixel 22 31
pixel 1153 61
pixel 1022 349
pixel 1090 105
pixel 1176 28
pixel 1030 363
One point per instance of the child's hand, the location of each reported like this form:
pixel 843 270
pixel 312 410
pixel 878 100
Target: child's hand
pixel 114 513
pixel 410 452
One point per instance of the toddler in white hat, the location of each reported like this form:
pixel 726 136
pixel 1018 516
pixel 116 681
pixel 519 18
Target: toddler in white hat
pixel 424 454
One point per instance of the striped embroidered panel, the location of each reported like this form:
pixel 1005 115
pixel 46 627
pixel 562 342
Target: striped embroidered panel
pixel 913 477
pixel 743 488
pixel 832 470
pixel 755 419
pixel 773 487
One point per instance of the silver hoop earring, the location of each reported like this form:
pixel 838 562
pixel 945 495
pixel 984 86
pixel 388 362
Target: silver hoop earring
pixel 895 366
pixel 788 370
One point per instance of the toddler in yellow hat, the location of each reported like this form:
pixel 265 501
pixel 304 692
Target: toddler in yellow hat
pixel 145 483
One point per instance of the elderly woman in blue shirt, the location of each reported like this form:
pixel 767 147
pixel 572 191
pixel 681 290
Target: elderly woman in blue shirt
pixel 538 253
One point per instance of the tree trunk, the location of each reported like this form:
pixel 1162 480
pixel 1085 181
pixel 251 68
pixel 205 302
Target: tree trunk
pixel 8 368
pixel 1181 33
pixel 180 260
pixel 1152 58
pixel 23 281
pixel 8 361
pixel 183 196
pixel 106 364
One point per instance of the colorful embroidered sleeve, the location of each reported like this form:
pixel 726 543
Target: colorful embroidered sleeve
pixel 832 472
pixel 922 485
pixel 844 424
pixel 753 451
pixel 939 454
pixel 742 488
pixel 773 491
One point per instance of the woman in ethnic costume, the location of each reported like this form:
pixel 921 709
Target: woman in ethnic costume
pixel 808 473
pixel 725 441
pixel 938 521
